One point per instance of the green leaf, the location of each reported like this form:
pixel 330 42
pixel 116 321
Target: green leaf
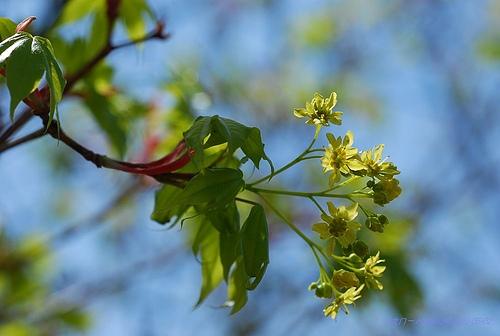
pixel 254 148
pixel 106 117
pixel 233 132
pixel 211 267
pixel 223 130
pixel 132 13
pixel 166 205
pixel 53 74
pixel 10 44
pixel 24 71
pixel 195 137
pixel 75 10
pixel 236 289
pixel 7 28
pixel 27 58
pixel 230 250
pixel 215 187
pixel 255 245
pixel 227 222
pixel 226 219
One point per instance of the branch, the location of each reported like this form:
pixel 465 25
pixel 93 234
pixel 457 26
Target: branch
pixel 18 123
pixel 167 177
pixel 31 136
pixel 157 33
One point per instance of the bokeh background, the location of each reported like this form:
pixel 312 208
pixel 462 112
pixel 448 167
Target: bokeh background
pixel 421 76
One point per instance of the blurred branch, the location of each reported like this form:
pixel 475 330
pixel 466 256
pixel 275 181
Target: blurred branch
pixel 18 123
pixel 157 33
pixel 31 136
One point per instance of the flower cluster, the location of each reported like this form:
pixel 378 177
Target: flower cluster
pixel 319 111
pixel 342 159
pixel 351 266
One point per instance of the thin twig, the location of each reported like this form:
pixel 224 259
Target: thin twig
pixel 31 136
pixel 18 123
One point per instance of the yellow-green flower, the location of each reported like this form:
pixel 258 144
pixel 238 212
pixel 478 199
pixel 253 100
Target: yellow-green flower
pixel 372 270
pixel 319 111
pixel 336 224
pixel 375 166
pixel 348 297
pixel 340 157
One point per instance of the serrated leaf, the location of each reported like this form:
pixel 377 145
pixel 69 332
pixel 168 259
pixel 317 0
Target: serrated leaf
pixel 215 187
pixel 254 148
pixel 223 130
pixel 27 58
pixel 24 67
pixel 255 244
pixel 166 205
pixel 233 132
pixel 195 137
pixel 7 28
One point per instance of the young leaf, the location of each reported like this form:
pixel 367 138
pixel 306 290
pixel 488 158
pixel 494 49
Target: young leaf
pixel 53 73
pixel 211 267
pixel 223 130
pixel 230 250
pixel 7 28
pixel 106 117
pixel 24 71
pixel 216 187
pixel 195 137
pixel 233 132
pixel 227 222
pixel 27 58
pixel 166 205
pixel 226 219
pixel 10 44
pixel 132 13
pixel 75 10
pixel 255 245
pixel 254 148
pixel 236 290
